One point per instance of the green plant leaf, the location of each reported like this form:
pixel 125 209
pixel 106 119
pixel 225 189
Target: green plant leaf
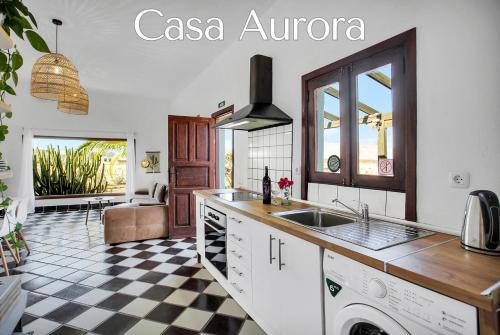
pixel 21 7
pixel 3 62
pixel 15 78
pixel 8 115
pixel 15 26
pixel 17 60
pixel 36 41
pixel 9 90
pixel 23 22
pixel 33 19
pixel 6 28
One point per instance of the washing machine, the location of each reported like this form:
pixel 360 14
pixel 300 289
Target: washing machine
pixel 360 300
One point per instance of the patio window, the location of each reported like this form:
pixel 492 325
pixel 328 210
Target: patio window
pixel 66 167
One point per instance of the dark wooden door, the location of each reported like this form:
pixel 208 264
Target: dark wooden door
pixel 191 160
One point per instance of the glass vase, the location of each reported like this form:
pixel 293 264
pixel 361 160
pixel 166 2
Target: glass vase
pixel 286 197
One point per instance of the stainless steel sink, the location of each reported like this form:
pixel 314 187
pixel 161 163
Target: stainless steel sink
pixel 374 235
pixel 315 217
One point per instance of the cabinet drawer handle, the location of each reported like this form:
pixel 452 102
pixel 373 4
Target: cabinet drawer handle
pixel 240 290
pixel 239 239
pixel 280 264
pixel 236 220
pixel 271 258
pixel 236 254
pixel 238 272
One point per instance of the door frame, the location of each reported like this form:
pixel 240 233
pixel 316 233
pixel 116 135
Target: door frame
pixel 215 116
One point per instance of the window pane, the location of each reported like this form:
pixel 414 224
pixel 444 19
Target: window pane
pixel 328 128
pixel 83 166
pixel 374 113
pixel 225 158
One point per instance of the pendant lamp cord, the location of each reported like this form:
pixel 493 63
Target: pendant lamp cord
pixel 56 35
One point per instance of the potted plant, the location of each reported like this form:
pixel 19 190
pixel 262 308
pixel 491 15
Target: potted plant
pixel 14 17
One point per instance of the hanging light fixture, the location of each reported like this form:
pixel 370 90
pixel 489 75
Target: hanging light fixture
pixel 74 102
pixel 54 74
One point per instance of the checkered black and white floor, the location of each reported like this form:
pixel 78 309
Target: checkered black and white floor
pixel 79 285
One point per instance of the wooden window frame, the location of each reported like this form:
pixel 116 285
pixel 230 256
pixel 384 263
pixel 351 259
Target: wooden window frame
pixel 83 195
pixel 405 150
pixel 215 116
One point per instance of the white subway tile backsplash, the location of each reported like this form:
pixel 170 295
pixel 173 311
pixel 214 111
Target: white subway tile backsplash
pixel 279 139
pixel 279 151
pixel 396 203
pixel 272 151
pixel 270 147
pixel 287 151
pixel 279 163
pixel 312 192
pixel 375 199
pixel 287 162
pixel 349 196
pixel 384 203
pixel 326 193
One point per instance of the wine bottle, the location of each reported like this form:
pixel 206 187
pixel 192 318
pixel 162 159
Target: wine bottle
pixel 266 185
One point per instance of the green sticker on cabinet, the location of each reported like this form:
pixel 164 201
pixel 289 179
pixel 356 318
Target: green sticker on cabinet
pixel 333 287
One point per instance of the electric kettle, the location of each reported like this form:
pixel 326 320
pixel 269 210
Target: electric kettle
pixel 481 229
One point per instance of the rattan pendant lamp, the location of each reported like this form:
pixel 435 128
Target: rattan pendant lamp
pixel 54 74
pixel 74 102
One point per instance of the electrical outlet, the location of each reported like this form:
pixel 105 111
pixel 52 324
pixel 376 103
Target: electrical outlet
pixel 459 179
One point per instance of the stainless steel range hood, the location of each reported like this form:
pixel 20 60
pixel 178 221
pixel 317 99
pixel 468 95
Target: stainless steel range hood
pixel 260 113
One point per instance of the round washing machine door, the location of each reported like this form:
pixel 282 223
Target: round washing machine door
pixel 359 319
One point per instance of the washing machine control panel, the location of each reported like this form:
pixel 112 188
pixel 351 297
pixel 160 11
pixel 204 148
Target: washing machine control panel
pixel 435 311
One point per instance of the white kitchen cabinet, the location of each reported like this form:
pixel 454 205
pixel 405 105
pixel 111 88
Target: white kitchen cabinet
pixel 286 297
pixel 200 226
pixel 239 261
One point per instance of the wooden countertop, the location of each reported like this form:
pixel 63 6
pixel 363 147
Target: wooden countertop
pixel 436 262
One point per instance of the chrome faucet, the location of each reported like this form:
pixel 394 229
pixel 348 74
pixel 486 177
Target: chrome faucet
pixel 363 215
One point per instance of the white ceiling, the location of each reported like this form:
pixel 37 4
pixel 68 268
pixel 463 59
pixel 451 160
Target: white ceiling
pixel 98 36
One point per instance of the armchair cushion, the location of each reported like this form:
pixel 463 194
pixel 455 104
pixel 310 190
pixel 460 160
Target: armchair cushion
pixel 159 194
pixel 152 189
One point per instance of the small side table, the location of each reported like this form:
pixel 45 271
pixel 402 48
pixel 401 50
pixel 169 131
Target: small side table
pixel 99 200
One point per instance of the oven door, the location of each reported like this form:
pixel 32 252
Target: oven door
pixel 215 245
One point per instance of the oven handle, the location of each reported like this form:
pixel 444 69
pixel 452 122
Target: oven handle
pixel 211 225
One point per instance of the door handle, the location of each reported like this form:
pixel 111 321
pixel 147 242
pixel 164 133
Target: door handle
pixel 236 254
pixel 238 272
pixel 239 290
pixel 271 239
pixel 280 264
pixel 236 220
pixel 236 237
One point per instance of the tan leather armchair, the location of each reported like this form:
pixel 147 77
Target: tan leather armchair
pixel 135 223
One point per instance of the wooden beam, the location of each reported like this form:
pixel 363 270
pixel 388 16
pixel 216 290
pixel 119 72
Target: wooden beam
pixel 381 78
pixel 372 120
pixel 361 106
pixel 330 116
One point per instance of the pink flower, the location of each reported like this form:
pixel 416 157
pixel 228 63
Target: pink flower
pixel 284 182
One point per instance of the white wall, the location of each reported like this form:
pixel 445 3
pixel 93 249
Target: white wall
pixel 109 115
pixel 458 107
